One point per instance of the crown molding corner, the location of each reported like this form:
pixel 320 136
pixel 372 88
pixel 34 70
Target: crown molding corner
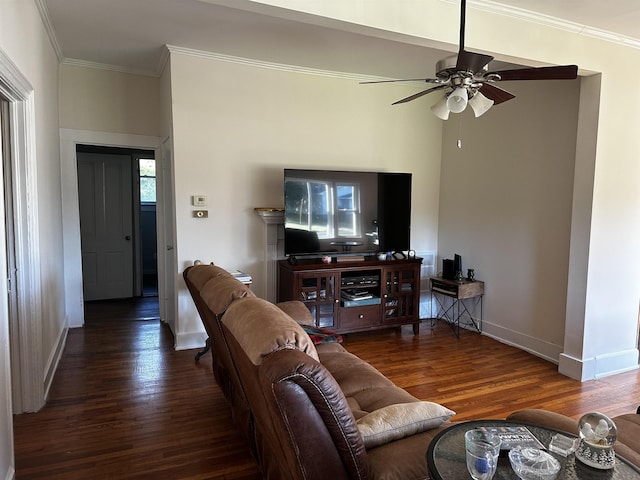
pixel 51 31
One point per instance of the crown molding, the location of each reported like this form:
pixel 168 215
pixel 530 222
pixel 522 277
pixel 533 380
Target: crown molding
pixel 552 22
pixel 271 65
pixel 48 26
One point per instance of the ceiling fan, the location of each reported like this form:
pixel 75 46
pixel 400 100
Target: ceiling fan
pixel 468 81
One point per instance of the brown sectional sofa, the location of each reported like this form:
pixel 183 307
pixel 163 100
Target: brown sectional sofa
pixel 317 411
pixel 307 411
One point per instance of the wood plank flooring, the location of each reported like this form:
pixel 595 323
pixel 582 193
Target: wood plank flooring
pixel 125 405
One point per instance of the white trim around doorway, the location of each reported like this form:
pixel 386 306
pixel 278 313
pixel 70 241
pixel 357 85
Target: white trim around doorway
pixel 70 207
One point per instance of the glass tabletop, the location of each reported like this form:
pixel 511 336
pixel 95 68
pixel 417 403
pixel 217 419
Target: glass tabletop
pixel 446 456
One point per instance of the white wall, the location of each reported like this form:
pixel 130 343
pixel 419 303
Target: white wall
pixel 505 206
pixel 24 41
pixel 236 127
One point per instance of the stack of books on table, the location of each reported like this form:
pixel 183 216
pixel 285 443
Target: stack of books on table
pixel 242 277
pixel 353 297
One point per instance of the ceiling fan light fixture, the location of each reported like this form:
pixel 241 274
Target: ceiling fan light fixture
pixel 480 104
pixel 457 100
pixel 440 109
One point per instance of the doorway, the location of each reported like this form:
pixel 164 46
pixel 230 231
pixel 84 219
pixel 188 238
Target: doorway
pixel 117 207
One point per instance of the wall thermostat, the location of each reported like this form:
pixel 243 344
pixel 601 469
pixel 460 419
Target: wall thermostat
pixel 198 200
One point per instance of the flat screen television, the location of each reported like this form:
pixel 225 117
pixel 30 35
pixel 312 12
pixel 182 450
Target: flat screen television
pixel 334 212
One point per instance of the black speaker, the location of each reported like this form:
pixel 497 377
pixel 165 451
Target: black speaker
pixel 448 269
pixel 457 263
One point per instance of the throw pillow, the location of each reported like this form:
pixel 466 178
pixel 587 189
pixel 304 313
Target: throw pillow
pixel 321 335
pixel 394 422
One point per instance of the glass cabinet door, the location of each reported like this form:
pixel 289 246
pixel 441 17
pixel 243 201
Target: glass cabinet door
pixel 318 292
pixel 400 289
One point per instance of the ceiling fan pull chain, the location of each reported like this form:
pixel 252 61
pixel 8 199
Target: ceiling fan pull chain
pixel 459 142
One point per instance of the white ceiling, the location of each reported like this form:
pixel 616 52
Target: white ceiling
pixel 130 35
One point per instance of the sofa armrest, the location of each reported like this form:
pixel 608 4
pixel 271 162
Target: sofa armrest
pixel 546 418
pixel 312 418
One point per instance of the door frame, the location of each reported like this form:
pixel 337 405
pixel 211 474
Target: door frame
pixel 69 138
pixel 26 323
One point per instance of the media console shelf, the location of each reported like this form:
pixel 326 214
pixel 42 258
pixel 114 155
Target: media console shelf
pixel 355 296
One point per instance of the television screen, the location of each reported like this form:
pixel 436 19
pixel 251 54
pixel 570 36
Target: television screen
pixel 333 212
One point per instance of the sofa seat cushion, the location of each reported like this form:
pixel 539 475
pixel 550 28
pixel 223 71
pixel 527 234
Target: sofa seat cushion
pixel 328 349
pixel 404 459
pixel 365 387
pixel 384 411
pixel 401 420
pixel 628 426
pixel 261 328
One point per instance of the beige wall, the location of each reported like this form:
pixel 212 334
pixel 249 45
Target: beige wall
pixel 505 206
pixel 24 42
pixel 236 127
pixel 109 101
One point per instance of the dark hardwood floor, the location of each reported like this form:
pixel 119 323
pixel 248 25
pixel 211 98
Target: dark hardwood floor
pixel 125 405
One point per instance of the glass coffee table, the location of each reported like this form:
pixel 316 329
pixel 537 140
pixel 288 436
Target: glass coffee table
pixel 446 458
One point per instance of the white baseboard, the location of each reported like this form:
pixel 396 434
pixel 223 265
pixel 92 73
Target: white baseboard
pixel 540 348
pixel 54 359
pixel 189 340
pixel 598 366
pixel 11 473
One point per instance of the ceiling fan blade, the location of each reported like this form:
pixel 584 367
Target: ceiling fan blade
pixel 494 93
pixel 420 94
pixel 428 80
pixel 473 62
pixel 562 72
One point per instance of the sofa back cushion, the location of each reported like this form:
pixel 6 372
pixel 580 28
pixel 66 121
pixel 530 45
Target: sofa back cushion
pixel 261 328
pixel 221 290
pixel 198 275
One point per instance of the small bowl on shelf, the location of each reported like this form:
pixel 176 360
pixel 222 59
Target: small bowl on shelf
pixel 533 464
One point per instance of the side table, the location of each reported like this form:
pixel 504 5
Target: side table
pixel 456 300
pixel 446 458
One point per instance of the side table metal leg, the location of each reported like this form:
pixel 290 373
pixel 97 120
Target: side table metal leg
pixel 207 347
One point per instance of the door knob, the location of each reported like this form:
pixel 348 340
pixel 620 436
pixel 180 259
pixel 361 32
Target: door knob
pixel 127 238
